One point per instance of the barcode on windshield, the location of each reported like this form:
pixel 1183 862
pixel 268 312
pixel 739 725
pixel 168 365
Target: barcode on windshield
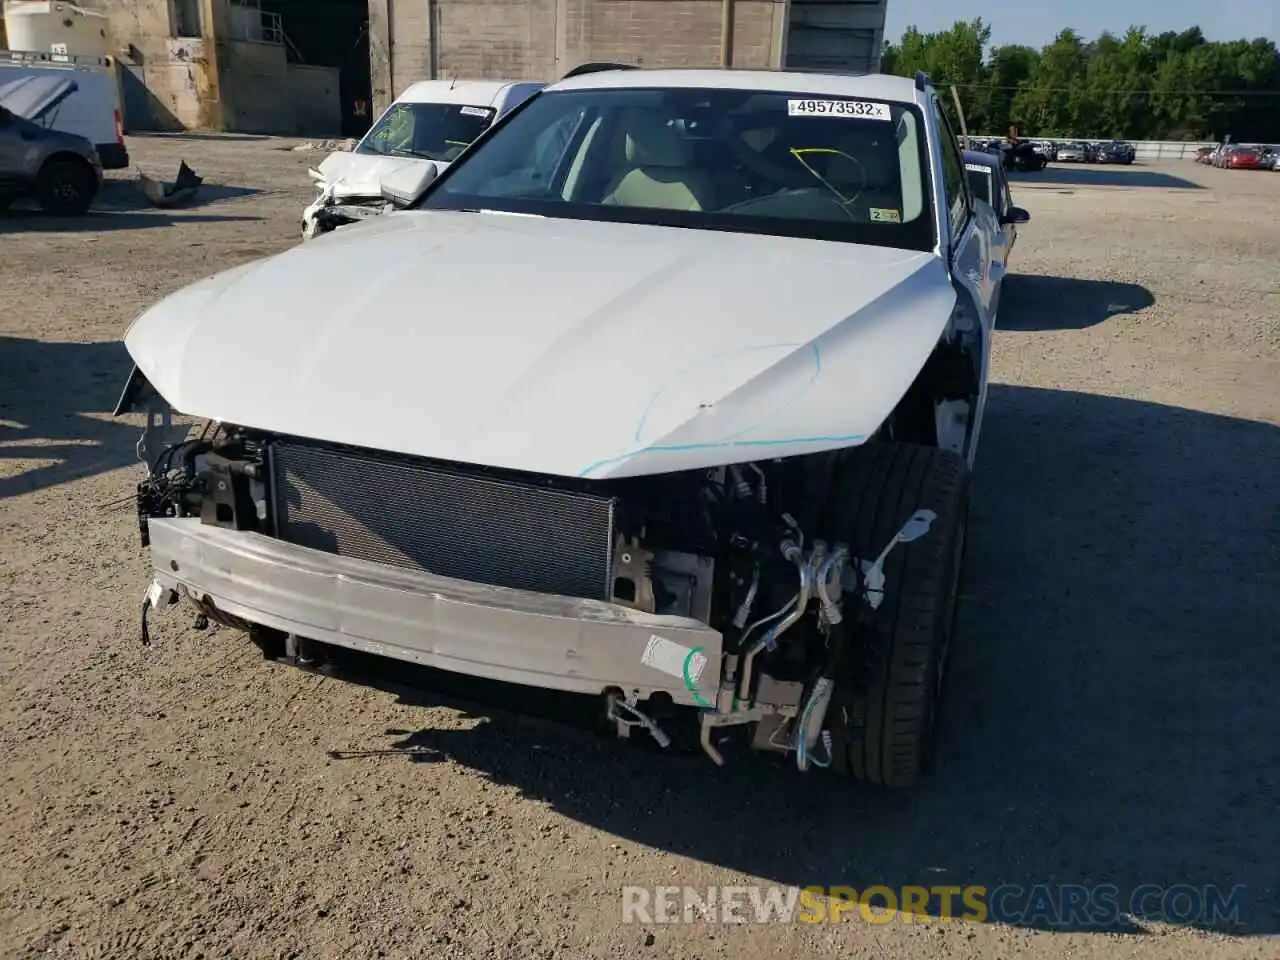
pixel 850 109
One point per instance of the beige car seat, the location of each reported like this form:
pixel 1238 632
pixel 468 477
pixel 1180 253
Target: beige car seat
pixel 659 173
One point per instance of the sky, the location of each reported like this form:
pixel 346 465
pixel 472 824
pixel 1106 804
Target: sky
pixel 1020 21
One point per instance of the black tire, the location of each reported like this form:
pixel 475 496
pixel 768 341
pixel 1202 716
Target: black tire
pixel 66 187
pixel 270 642
pixel 885 710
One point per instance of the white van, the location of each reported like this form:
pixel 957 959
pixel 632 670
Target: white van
pixel 433 121
pixel 92 111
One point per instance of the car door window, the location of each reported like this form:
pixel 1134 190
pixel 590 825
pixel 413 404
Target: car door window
pixel 953 178
pixel 999 192
pixel 980 183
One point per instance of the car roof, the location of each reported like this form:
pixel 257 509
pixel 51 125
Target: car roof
pixel 472 92
pixel 875 86
pixel 979 158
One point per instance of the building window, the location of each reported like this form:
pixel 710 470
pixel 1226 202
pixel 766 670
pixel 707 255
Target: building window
pixel 184 18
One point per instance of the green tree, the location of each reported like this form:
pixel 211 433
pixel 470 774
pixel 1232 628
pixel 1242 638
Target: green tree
pixel 1053 95
pixel 954 56
pixel 1009 69
pixel 1140 86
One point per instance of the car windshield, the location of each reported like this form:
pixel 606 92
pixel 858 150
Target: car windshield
pixel 715 159
pixel 430 131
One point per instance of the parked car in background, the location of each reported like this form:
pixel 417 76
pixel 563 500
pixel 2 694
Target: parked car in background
pixel 1022 156
pixel 1221 154
pixel 988 183
pixel 1116 151
pixel 432 122
pixel 1074 151
pixel 1046 149
pixel 1243 158
pixel 91 110
pixel 993 147
pixel 61 171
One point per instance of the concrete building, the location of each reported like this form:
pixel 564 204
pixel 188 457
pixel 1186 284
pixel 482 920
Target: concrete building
pixel 320 67
pixel 216 65
pixel 540 39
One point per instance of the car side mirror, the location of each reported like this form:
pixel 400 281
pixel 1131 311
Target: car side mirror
pixel 1015 215
pixel 402 188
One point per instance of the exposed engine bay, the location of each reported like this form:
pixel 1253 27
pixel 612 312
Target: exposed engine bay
pixel 739 548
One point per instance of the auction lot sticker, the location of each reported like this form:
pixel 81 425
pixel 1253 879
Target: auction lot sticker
pixel 850 109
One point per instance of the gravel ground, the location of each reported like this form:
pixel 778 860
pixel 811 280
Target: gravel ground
pixel 1113 706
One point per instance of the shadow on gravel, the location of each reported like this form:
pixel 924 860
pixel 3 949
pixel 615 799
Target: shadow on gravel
pixel 120 206
pixel 95 221
pixel 46 392
pixel 191 135
pixel 1103 176
pixel 1036 303
pixel 1112 708
pixel 123 195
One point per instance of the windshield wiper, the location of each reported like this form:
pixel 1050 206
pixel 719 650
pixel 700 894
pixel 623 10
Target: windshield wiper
pixel 500 213
pixel 415 154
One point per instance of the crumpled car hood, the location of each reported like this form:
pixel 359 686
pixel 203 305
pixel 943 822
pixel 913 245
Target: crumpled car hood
pixel 360 174
pixel 555 346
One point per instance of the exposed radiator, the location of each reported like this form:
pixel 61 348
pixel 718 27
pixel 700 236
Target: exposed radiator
pixel 413 514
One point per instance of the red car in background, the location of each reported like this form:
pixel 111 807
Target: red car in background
pixel 1241 158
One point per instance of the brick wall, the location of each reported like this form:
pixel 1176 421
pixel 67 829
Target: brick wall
pixel 541 39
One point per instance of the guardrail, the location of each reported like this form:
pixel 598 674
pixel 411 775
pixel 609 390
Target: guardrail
pixel 1143 149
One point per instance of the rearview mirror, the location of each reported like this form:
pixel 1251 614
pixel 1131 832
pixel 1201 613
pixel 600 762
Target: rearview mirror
pixel 1016 215
pixel 403 187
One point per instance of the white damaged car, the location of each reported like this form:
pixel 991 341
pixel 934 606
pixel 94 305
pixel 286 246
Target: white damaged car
pixel 680 414
pixel 430 124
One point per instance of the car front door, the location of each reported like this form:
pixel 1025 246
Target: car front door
pixel 970 250
pixel 1004 203
pixel 969 247
pixel 11 149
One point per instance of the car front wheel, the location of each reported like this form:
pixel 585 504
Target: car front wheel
pixel 885 711
pixel 66 188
